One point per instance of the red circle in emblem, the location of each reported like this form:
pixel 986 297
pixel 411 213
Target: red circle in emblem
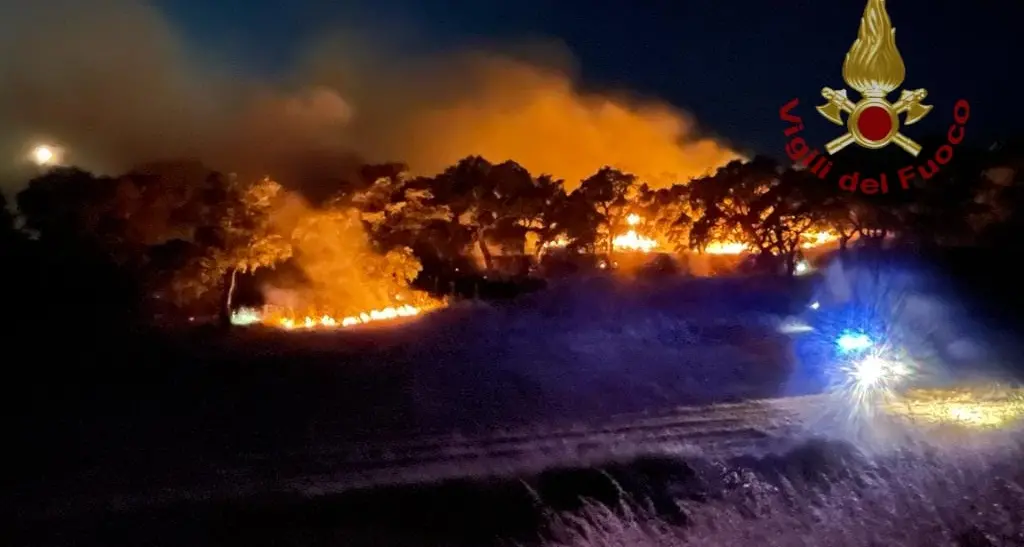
pixel 874 123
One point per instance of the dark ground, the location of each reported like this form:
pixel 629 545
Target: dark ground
pixel 908 498
pixel 138 406
pixel 455 512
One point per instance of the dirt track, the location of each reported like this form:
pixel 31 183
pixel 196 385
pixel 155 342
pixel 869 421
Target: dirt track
pixel 717 431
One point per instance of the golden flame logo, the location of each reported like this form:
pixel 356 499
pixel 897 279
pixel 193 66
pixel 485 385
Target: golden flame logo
pixel 874 68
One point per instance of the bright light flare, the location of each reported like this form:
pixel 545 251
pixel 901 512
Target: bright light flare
pixel 868 383
pixel 873 371
pixel 868 374
pixel 44 155
pixel 633 219
pixel 868 371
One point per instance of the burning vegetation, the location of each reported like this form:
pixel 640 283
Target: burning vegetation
pixel 627 176
pixel 632 177
pixel 193 236
pixel 348 282
pixel 287 319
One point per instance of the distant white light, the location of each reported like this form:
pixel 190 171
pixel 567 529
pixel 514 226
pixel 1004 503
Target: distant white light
pixel 793 325
pixel 42 155
pixel 802 267
pixel 815 305
pixel 45 154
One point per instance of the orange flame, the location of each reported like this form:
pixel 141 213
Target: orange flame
pixel 290 321
pixel 632 241
pixel 726 248
pixel 812 240
pixel 329 321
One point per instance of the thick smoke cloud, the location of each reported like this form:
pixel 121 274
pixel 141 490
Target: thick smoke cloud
pixel 112 82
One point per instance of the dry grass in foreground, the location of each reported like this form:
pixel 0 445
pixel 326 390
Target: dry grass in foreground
pixel 908 499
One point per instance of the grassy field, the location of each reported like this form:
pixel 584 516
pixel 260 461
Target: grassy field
pixel 142 438
pixel 818 493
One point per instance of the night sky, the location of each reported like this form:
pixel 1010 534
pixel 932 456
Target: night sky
pixel 732 63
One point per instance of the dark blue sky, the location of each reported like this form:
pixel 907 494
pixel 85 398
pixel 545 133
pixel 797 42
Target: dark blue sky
pixel 731 62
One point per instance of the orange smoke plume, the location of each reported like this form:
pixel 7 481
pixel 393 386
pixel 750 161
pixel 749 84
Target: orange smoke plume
pixel 140 95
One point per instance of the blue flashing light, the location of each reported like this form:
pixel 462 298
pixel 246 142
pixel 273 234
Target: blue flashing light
pixel 853 341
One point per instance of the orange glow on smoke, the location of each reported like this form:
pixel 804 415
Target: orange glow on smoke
pixel 490 118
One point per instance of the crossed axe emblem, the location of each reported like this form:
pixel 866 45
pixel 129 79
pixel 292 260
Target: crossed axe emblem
pixel 882 123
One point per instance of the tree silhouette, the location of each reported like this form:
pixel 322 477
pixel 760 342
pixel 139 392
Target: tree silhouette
pixel 785 213
pixel 730 206
pixel 668 214
pixel 609 192
pixel 7 231
pixel 546 215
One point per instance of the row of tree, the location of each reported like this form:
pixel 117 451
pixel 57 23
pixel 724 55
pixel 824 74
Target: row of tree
pixel 179 231
pixel 757 203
